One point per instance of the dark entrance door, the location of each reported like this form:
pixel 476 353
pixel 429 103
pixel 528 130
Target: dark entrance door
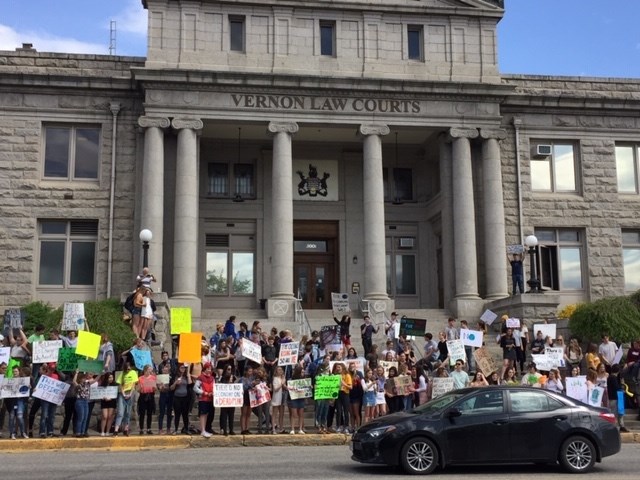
pixel 314 283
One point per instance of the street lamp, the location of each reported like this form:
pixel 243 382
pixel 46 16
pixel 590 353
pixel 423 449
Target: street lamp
pixel 534 284
pixel 145 238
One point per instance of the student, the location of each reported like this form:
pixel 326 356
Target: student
pixel 127 380
pixel 203 387
pixel 296 406
pixel 147 387
pixel 227 413
pixel 181 386
pixel 82 382
pixel 108 405
pixel 277 400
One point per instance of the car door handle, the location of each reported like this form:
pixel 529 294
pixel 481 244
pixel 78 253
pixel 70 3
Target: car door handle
pixel 560 418
pixel 500 422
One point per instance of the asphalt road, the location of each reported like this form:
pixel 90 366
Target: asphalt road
pixel 299 463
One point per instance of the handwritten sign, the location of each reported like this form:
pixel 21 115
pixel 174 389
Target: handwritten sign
pixel 288 354
pixel 513 323
pixel 47 351
pixel 471 338
pixel 5 355
pixel 141 358
pixel 484 361
pixel 259 394
pixel 13 318
pixel 402 384
pixel 515 249
pixel 576 388
pixel 73 317
pixel 441 385
pixel 163 379
pixel 595 396
pixel 327 387
pixel 547 329
pixel 67 360
pixel 90 366
pixel 51 390
pixel 413 326
pixel 387 365
pixel 488 317
pixel 330 335
pixel 556 354
pixel 543 362
pixel 190 350
pixel 251 351
pixel 227 395
pixel 456 351
pixel 180 320
pixel 340 303
pixel 88 344
pixel 102 393
pixel 15 387
pixel 300 388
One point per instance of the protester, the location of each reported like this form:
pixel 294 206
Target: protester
pixel 127 380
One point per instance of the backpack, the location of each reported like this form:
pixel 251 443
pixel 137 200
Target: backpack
pixel 128 303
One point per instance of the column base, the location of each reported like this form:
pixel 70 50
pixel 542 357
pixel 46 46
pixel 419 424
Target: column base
pixel 496 296
pixel 281 307
pixel 187 301
pixel 467 308
pixel 379 304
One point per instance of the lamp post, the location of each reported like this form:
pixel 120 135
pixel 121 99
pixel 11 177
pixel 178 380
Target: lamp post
pixel 145 238
pixel 534 284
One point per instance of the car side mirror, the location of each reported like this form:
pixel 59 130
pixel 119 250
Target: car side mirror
pixel 453 412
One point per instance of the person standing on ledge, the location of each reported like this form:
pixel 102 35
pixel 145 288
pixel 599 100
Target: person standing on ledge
pixel 517 273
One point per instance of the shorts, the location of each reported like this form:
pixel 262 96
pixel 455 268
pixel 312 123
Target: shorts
pixel 297 403
pixel 205 408
pixel 369 399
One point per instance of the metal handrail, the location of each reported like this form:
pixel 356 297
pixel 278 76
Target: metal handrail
pixel 300 317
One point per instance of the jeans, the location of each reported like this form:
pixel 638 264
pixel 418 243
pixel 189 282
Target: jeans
pixel 47 416
pixel 82 415
pixel 264 416
pixel 16 413
pixel 123 412
pixel 322 411
pixel 517 281
pixel 165 407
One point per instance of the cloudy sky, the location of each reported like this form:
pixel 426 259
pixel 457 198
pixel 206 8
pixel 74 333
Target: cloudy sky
pixel 552 37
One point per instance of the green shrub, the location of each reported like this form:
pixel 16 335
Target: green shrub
pixel 619 317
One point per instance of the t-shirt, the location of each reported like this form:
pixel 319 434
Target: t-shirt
pixel 608 351
pixel 516 267
pixel 433 346
pixel 460 379
pixel 128 380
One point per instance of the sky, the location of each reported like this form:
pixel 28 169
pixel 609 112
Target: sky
pixel 541 37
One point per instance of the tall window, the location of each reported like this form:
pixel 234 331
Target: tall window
pixel 241 178
pixel 230 265
pixel 560 258
pixel 415 42
pixel 631 259
pixel 401 261
pixel 555 172
pixel 71 153
pixel 237 33
pixel 627 168
pixel 327 38
pixel 67 253
pixel 398 184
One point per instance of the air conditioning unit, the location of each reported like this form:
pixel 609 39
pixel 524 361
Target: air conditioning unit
pixel 407 242
pixel 543 150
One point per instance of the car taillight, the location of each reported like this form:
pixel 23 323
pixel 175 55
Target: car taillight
pixel 608 417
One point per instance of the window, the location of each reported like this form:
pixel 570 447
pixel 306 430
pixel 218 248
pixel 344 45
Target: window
pixel 415 42
pixel 236 34
pixel 560 259
pixel 242 180
pixel 67 253
pixel 631 259
pixel 230 265
pixel 401 261
pixel 532 401
pixel 555 172
pixel 398 184
pixel 627 168
pixel 71 153
pixel 327 38
pixel 486 402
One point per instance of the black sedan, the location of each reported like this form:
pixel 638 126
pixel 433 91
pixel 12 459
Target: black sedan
pixel 490 425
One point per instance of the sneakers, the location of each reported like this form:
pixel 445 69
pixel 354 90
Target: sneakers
pixel 149 432
pixel 292 432
pixel 24 435
pixel 301 432
pixel 206 434
pixel 13 436
pixel 624 429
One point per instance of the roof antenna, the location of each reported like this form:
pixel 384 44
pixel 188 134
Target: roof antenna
pixel 112 37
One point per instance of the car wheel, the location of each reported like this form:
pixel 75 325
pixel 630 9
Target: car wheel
pixel 577 454
pixel 419 456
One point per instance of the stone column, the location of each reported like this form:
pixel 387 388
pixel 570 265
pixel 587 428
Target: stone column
pixel 464 223
pixel 373 195
pixel 282 205
pixel 185 242
pixel 446 219
pixel 494 229
pixel 152 198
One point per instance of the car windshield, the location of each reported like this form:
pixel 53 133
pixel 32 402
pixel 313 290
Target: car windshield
pixel 438 403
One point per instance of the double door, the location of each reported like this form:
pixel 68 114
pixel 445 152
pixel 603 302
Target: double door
pixel 314 282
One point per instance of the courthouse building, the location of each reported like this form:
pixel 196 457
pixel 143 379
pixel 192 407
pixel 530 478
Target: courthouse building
pixel 280 149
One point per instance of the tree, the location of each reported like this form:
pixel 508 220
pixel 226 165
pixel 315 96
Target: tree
pixel 618 317
pixel 216 282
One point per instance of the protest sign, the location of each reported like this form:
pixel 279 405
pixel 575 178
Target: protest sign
pixel 259 394
pixel 595 396
pixel 330 336
pixel 90 366
pixel 415 327
pixel 88 344
pixel 387 365
pixel 180 320
pixel 47 351
pixel 141 358
pixel 488 317
pixel 441 385
pixel 73 317
pixel 547 329
pixel 67 360
pixel 340 303
pixel 288 354
pixel 5 354
pixel 300 388
pixel 513 323
pixel 471 338
pixel 484 361
pixel 251 351
pixel 327 387
pixel 13 319
pixel 51 390
pixel 515 249
pixel 190 349
pixel 456 351
pixel 543 362
pixel 556 354
pixel 618 356
pixel 101 393
pixel 402 384
pixel 163 379
pixel 227 395
pixel 15 387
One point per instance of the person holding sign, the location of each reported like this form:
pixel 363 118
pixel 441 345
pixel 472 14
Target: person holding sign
pixel 344 325
pixel 517 272
pixel 227 413
pixel 48 409
pixel 181 387
pixel 82 382
pixel 296 406
pixel 203 387
pixel 17 406
pixel 146 401
pixel 342 403
pixel 107 405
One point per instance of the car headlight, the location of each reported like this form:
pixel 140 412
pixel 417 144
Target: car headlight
pixel 379 432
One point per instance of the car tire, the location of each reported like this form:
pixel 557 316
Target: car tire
pixel 419 456
pixel 577 454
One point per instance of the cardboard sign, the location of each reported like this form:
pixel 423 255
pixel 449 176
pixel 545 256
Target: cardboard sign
pixel 340 303
pixel 102 393
pixel 141 358
pixel 252 351
pixel 547 329
pixel 88 344
pixel 415 327
pixel 441 385
pixel 67 360
pixel 327 387
pixel 288 354
pixel 51 390
pixel 513 323
pixel 47 351
pixel 300 388
pixel 484 361
pixel 488 317
pixel 402 384
pixel 387 365
pixel 73 317
pixel 180 320
pixel 456 351
pixel 259 394
pixel 190 350
pixel 471 338
pixel 15 387
pixel 13 319
pixel 90 366
pixel 227 395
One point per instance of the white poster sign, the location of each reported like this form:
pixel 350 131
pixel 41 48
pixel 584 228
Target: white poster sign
pixel 259 394
pixel 543 362
pixel 441 385
pixel 595 396
pixel 51 390
pixel 47 351
pixel 73 317
pixel 471 338
pixel 556 354
pixel 456 351
pixel 576 387
pixel 488 317
pixel 227 395
pixel 387 365
pixel 300 388
pixel 315 181
pixel 618 356
pixel 340 303
pixel 288 354
pixel 5 355
pixel 547 329
pixel 15 387
pixel 100 393
pixel 251 351
pixel 513 323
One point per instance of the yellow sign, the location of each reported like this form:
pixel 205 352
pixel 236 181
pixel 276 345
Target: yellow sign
pixel 180 321
pixel 88 344
pixel 189 349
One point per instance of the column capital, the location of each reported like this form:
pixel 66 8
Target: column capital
pixel 159 122
pixel 373 129
pixel 495 133
pixel 283 127
pixel 463 132
pixel 191 123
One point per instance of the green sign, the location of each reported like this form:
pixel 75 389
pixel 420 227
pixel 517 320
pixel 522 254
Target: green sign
pixel 327 387
pixel 90 366
pixel 67 360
